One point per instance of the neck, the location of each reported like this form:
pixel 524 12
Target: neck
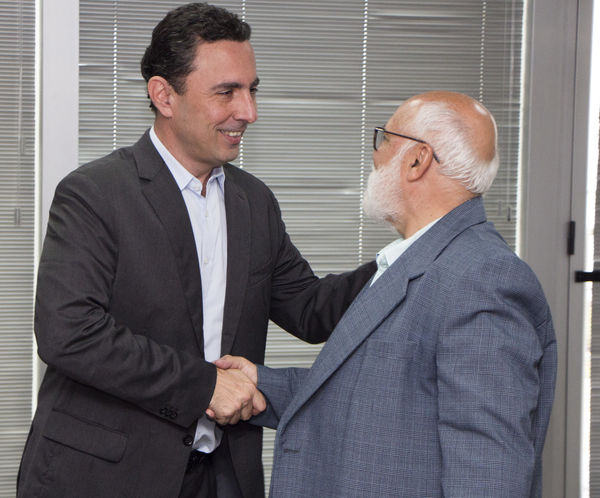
pixel 429 209
pixel 167 137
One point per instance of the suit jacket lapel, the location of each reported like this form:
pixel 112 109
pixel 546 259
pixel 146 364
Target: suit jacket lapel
pixel 163 194
pixel 238 257
pixel 374 303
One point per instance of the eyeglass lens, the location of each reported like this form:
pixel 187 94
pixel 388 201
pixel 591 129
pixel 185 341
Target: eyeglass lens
pixel 377 138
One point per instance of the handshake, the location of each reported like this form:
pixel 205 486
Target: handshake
pixel 235 397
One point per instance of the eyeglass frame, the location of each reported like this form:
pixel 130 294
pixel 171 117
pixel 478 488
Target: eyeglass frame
pixel 381 129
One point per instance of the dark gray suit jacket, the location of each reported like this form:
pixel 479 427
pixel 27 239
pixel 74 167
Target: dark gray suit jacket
pixel 119 323
pixel 437 382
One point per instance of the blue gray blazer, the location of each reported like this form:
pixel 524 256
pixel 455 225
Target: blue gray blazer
pixel 438 380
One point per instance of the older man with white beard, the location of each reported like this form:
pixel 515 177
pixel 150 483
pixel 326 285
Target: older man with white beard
pixel 439 379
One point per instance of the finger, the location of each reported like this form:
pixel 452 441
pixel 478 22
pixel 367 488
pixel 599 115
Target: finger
pixel 234 419
pixel 259 403
pixel 251 372
pixel 222 420
pixel 246 411
pixel 210 414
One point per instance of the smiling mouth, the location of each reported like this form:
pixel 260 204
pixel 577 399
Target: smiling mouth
pixel 233 138
pixel 233 134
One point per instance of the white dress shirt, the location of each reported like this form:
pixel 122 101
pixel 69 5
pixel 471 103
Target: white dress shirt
pixel 207 215
pixel 390 253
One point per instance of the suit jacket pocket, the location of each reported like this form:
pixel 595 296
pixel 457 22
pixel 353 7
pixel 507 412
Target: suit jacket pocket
pixel 392 350
pixel 261 273
pixel 86 436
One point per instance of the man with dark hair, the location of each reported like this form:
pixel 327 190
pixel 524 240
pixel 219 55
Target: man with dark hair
pixel 172 51
pixel 158 259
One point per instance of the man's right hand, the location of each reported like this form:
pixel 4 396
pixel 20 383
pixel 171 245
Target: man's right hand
pixel 235 397
pixel 239 363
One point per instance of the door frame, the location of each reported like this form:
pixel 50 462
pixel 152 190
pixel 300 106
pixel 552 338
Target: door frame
pixel 554 176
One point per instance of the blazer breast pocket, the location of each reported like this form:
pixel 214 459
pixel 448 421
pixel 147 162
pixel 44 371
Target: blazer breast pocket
pixel 389 349
pixel 392 362
pixel 85 436
pixel 261 272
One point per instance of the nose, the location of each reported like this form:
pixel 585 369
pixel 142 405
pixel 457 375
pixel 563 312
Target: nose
pixel 246 107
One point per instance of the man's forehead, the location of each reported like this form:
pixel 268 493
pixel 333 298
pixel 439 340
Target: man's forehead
pixel 207 51
pixel 226 63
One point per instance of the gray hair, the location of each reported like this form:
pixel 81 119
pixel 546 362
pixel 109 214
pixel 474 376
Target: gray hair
pixel 445 130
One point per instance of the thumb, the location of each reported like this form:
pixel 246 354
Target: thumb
pixel 225 362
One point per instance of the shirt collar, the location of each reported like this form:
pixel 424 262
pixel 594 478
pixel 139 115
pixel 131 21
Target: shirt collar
pixel 182 176
pixel 395 249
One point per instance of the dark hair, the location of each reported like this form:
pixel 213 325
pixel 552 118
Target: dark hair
pixel 172 49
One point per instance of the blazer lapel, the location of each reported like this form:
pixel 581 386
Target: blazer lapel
pixel 163 194
pixel 374 303
pixel 238 257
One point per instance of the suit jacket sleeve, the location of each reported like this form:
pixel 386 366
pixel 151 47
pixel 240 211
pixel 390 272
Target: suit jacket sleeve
pixel 305 306
pixel 489 382
pixel 78 336
pixel 279 385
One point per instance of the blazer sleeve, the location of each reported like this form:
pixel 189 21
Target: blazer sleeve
pixel 489 366
pixel 304 305
pixel 75 332
pixel 279 385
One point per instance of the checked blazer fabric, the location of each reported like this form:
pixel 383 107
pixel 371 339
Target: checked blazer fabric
pixel 438 380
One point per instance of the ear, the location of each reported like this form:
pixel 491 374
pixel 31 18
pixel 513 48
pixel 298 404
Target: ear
pixel 161 92
pixel 421 163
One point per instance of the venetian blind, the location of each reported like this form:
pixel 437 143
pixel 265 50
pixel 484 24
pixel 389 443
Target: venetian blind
pixel 330 72
pixel 17 205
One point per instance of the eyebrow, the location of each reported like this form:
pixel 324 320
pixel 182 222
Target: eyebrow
pixel 232 85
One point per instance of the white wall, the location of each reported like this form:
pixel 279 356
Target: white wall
pixel 59 80
pixel 58 70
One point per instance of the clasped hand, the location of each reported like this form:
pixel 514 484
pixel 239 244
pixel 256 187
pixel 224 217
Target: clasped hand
pixel 235 397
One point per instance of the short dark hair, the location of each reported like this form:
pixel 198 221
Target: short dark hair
pixel 174 41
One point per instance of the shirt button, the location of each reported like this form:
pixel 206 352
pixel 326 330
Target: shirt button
pixel 188 440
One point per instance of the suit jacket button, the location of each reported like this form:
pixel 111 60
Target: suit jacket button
pixel 188 440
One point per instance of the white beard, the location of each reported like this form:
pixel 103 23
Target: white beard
pixel 382 199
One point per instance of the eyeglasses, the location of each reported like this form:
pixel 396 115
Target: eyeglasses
pixel 379 133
